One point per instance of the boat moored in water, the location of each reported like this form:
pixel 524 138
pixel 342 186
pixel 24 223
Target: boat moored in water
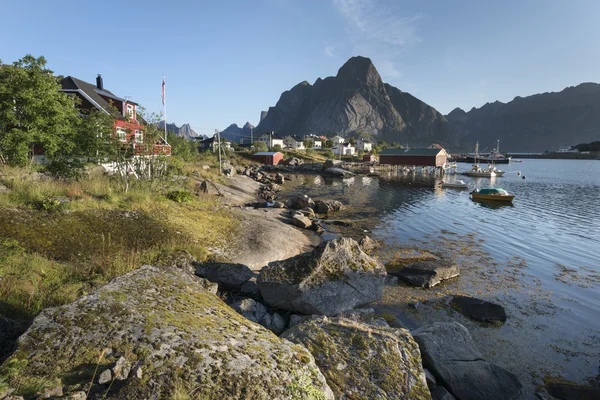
pixel 455 185
pixel 493 194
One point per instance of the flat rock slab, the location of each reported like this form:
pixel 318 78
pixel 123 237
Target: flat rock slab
pixel 478 309
pixel 229 275
pixel 565 390
pixel 427 273
pixel 449 352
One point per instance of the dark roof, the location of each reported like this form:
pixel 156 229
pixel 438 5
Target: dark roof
pixel 410 152
pixel 91 91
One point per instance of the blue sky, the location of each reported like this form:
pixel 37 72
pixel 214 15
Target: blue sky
pixel 226 61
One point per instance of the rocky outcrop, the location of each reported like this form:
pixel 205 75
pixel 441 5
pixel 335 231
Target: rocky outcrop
pixel 450 353
pixel 184 339
pixel 357 101
pixel 336 276
pixel 184 130
pixel 536 123
pixel 234 133
pixel 327 206
pixel 426 273
pixel 362 361
pixel 566 390
pixel 479 310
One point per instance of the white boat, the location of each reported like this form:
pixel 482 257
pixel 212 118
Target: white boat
pixel 497 171
pixel 478 172
pixel 455 185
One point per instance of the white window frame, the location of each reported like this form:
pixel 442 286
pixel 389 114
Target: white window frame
pixel 139 136
pixel 130 111
pixel 122 134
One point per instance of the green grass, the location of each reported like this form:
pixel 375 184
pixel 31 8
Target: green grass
pixel 49 255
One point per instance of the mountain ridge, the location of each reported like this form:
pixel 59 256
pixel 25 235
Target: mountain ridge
pixel 356 101
pixel 539 122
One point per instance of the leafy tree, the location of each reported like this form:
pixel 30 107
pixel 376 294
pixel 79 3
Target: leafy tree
pixel 328 144
pixel 260 146
pixel 308 144
pixel 277 147
pixel 352 141
pixel 34 112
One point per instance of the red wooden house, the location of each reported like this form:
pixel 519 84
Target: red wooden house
pixel 128 126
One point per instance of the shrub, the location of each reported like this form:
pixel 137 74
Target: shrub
pixel 48 204
pixel 180 196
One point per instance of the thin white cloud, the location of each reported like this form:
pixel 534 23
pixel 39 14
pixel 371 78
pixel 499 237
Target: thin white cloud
pixel 371 21
pixel 328 50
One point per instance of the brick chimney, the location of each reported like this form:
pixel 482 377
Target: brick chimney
pixel 99 83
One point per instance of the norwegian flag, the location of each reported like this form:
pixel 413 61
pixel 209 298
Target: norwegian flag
pixel 163 91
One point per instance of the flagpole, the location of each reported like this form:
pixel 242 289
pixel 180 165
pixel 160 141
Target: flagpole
pixel 165 106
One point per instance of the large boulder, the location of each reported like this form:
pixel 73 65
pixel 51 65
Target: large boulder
pixel 362 361
pixel 301 221
pixel 161 321
pixel 426 273
pixel 332 163
pixel 478 309
pixel 449 352
pixel 326 206
pixel 336 276
pixel 228 275
pixel 566 390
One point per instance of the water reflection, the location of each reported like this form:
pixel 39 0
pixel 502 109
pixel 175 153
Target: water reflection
pixel 490 204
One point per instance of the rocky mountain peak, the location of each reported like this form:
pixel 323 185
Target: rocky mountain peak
pixel 360 68
pixel 248 125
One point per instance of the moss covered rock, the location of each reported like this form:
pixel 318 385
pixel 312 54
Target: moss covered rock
pixel 189 343
pixel 362 361
pixel 335 277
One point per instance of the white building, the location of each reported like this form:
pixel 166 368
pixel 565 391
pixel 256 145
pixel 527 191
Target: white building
pixel 293 142
pixel 344 149
pixel 338 140
pixel 271 140
pixel 317 143
pixel 364 144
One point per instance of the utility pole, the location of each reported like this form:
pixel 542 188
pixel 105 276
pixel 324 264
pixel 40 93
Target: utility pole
pixel 271 140
pixel 218 135
pixel 251 135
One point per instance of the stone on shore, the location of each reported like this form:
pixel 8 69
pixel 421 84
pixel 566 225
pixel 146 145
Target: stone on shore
pixel 228 275
pixel 332 163
pixel 337 172
pixel 186 339
pixel 427 273
pixel 362 361
pixel 566 390
pixel 367 244
pixel 478 309
pixel 449 352
pixel 301 221
pixel 327 206
pixel 335 277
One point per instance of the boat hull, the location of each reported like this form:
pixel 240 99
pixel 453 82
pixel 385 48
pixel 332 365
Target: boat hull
pixel 493 197
pixel 480 174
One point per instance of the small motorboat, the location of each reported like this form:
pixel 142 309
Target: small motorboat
pixel 455 185
pixel 493 194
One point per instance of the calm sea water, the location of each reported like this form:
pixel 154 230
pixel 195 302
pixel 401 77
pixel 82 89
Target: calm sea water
pixel 553 226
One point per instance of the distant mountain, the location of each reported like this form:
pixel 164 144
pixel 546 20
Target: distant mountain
pixel 234 133
pixel 535 123
pixel 184 130
pixel 357 101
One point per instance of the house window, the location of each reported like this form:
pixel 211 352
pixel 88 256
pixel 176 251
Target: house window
pixel 139 136
pixel 130 111
pixel 122 134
